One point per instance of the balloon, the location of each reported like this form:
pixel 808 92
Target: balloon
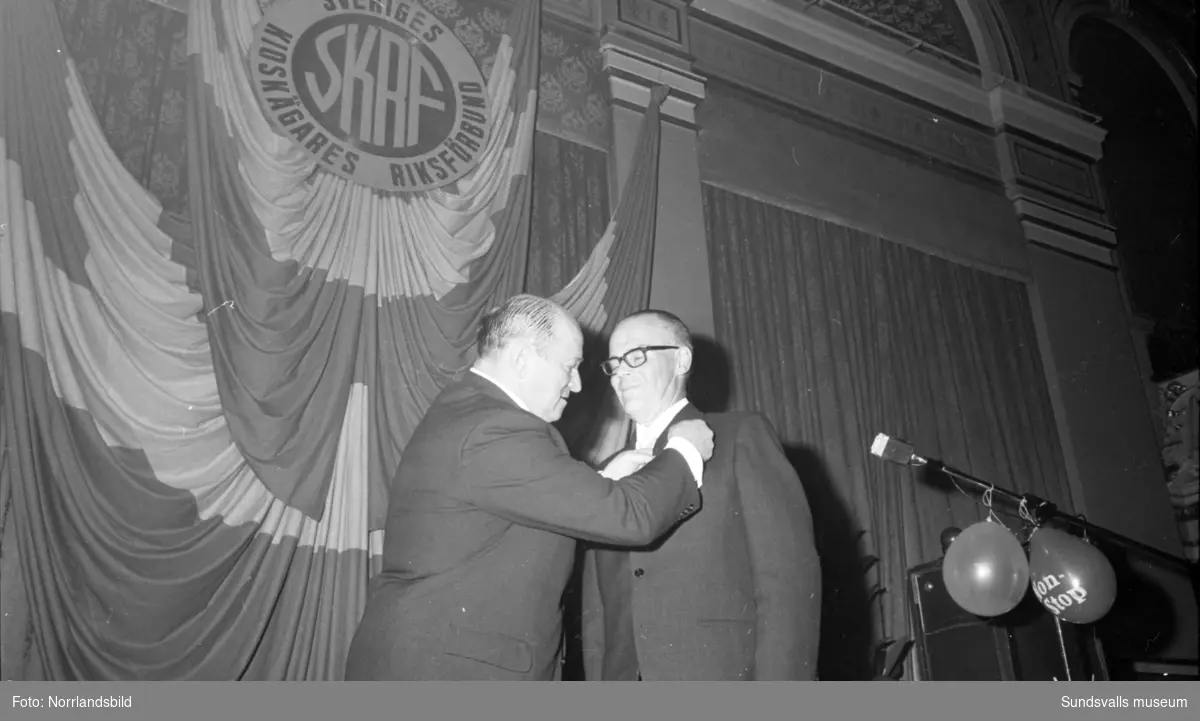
pixel 948 536
pixel 985 569
pixel 1070 577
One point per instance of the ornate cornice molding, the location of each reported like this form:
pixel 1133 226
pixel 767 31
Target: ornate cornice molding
pixel 727 54
pixel 585 12
pixel 1042 151
pixel 1013 109
pixel 1050 227
pixel 646 43
pixel 633 70
pixel 989 101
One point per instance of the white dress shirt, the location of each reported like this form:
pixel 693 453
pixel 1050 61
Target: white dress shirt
pixel 646 435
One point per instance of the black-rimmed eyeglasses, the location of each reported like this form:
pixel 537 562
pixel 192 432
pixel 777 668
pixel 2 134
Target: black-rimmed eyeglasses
pixel 632 359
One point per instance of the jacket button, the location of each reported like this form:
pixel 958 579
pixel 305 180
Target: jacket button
pixel 639 572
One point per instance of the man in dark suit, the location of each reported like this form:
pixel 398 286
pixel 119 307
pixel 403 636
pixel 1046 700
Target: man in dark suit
pixel 734 591
pixel 487 503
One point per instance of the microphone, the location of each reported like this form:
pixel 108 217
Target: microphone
pixel 894 450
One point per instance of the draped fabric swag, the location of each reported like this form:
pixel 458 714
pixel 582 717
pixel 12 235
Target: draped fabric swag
pixel 836 335
pixel 200 420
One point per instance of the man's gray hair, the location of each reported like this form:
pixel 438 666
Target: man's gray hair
pixel 676 327
pixel 521 316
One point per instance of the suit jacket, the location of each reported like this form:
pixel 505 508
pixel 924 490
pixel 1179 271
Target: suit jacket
pixel 480 539
pixel 733 592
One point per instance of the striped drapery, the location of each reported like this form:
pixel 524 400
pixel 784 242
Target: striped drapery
pixel 200 421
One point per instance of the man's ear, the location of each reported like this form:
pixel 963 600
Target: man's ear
pixel 683 361
pixel 522 358
pixel 519 357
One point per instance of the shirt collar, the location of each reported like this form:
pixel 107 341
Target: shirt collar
pixel 515 398
pixel 647 435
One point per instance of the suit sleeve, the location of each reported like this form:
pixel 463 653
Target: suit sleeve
pixel 783 556
pixel 592 621
pixel 514 467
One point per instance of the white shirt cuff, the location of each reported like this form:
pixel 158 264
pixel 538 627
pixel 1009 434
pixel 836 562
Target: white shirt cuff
pixel 610 475
pixel 691 455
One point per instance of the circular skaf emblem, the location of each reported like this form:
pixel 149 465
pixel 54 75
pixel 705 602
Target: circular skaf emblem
pixel 380 92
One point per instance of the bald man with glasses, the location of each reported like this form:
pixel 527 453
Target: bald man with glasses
pixel 731 593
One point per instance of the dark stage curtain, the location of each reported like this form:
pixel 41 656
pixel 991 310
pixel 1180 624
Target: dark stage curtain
pixel 836 335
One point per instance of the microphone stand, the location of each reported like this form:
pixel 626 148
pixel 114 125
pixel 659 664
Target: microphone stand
pixel 1042 510
pixel 1039 509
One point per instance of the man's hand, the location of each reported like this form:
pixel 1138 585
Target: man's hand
pixel 695 432
pixel 626 463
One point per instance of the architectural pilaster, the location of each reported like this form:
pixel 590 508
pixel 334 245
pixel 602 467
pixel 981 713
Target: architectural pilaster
pixel 645 43
pixel 1090 346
